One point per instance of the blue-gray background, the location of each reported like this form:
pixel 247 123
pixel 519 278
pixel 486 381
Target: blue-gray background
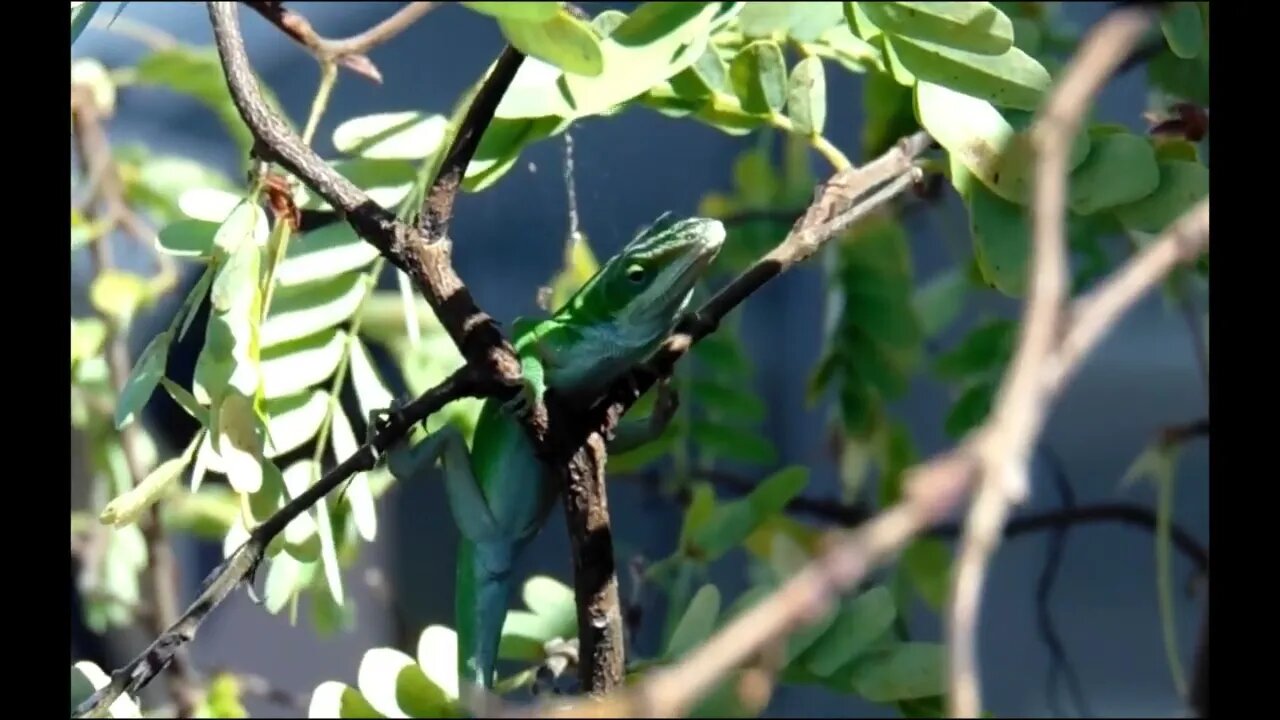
pixel 629 168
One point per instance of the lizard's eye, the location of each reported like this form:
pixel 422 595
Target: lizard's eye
pixel 635 273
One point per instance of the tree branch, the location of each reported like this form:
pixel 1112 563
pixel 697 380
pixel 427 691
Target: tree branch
pixel 349 52
pixel 1005 442
pixel 426 258
pixel 96 160
pixel 243 563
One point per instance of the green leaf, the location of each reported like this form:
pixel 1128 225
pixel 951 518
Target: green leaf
pixel 295 420
pixel 732 442
pixel 247 224
pixel 187 238
pixel 333 699
pixel 407 135
pixel 88 335
pixel 553 602
pixel 905 671
pixel 971 408
pixel 696 624
pixel 518 11
pixel 303 474
pixel 323 253
pixel 729 401
pixel 387 182
pixel 359 497
pixel 928 565
pixel 562 40
pixel 977 137
pixel 729 525
pixel 702 503
pixel 1013 79
pixel 977 27
pixel 303 310
pixel 209 204
pixel 807 97
pixel 81 14
pixel 371 392
pixel 282 582
pixel 1182 27
pixel 655 42
pixel 862 620
pixel 118 295
pixel 1119 169
pixel 984 351
pixel 1001 240
pixel 939 301
pixel 198 74
pixel 608 21
pixel 852 52
pixel 158 183
pixel 127 508
pixel 1182 184
pixel 291 367
pixel 1185 79
pixel 87 677
pixel 801 21
pixel 143 380
pixel 395 685
pixel 438 658
pixel 759 76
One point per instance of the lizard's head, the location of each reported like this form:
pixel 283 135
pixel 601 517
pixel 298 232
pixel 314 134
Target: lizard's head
pixel 650 281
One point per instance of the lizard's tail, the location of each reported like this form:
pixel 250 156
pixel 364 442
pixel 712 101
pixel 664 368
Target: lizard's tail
pixel 481 610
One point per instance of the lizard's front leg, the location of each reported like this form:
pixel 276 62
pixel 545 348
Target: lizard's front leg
pixel 466 501
pixel 632 433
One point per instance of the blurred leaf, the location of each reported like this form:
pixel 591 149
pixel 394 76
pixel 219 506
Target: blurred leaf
pixel 358 495
pixel 187 238
pixel 807 97
pixel 118 295
pixel 127 508
pixel 696 624
pixel 91 74
pixel 939 301
pixel 222 698
pixel 729 402
pixel 729 525
pixel 198 74
pixel 1013 79
pixel 977 27
pixel 579 265
pixel 561 40
pixel 1120 169
pixel 905 671
pixel 518 11
pixel 409 135
pixel 87 678
pixel 303 310
pixel 861 621
pixel 759 77
pixel 552 601
pixel 1182 184
pixel 971 408
pixel 928 565
pixel 332 699
pixel 852 52
pixel 81 14
pixel 1180 22
pixel 142 380
pixel 1183 79
pixel 438 658
pixel 291 367
pixel 733 442
pixel 395 685
pixel 983 351
pixel 1001 240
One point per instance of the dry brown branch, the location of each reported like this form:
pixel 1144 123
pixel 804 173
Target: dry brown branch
pixel 349 52
pixel 1047 351
pixel 94 151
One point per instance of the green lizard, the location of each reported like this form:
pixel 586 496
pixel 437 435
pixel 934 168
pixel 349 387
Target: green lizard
pixel 500 493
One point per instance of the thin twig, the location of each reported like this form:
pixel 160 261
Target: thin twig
pixel 242 563
pixel 349 52
pixel 427 258
pixel 1006 440
pixel 95 157
pixel 934 490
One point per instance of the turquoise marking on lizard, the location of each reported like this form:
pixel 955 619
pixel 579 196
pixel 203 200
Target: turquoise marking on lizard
pixel 500 493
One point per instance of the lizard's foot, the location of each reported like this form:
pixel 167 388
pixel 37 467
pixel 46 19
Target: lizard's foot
pixel 379 417
pixel 524 402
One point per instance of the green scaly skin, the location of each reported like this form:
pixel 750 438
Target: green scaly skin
pixel 500 493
